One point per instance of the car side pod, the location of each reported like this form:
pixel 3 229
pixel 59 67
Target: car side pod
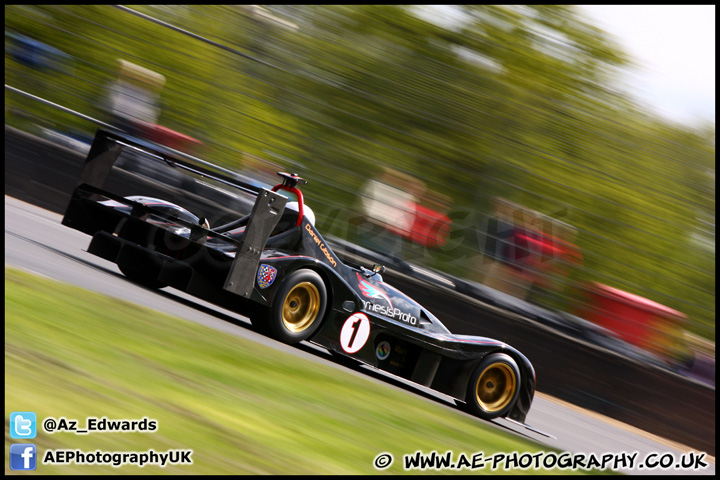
pixel 263 218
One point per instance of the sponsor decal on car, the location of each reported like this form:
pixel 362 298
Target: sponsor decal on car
pixel 371 291
pixel 390 312
pixel 266 275
pixel 382 351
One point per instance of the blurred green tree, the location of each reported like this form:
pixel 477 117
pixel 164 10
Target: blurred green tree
pixel 517 101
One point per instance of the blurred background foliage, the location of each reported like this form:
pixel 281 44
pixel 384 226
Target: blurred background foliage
pixel 520 102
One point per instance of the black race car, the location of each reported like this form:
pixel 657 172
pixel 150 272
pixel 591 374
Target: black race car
pixel 275 267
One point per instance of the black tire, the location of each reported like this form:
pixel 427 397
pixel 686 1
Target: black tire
pixel 298 308
pixel 140 278
pixel 493 387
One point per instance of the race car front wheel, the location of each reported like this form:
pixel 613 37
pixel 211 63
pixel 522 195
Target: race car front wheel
pixel 493 387
pixel 298 308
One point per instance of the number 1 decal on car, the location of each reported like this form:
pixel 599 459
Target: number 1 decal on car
pixel 354 333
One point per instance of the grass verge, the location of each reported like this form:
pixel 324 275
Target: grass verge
pixel 241 407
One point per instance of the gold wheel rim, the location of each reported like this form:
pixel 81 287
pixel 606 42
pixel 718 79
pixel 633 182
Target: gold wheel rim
pixel 301 307
pixel 495 387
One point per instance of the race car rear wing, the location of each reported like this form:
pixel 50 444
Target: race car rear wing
pixel 107 147
pixel 86 214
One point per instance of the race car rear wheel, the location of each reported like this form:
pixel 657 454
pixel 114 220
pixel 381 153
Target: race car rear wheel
pixel 493 387
pixel 298 308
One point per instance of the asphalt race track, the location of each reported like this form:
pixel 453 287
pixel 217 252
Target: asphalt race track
pixel 35 241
